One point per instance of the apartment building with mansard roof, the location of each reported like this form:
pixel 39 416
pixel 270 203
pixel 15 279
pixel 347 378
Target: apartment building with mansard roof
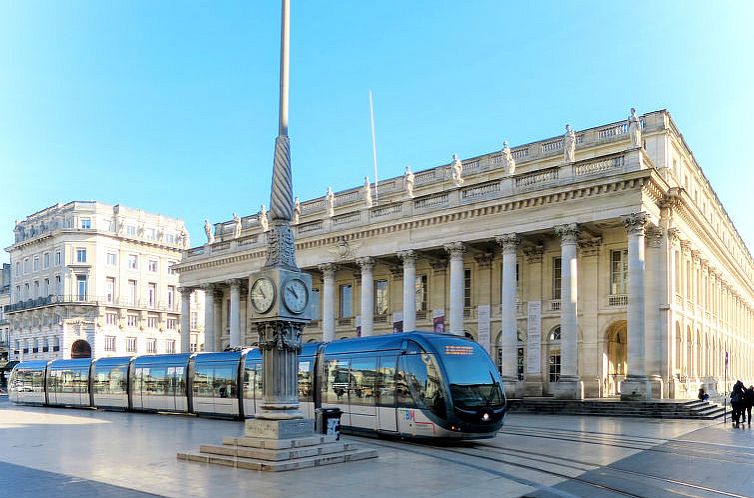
pixel 595 263
pixel 92 279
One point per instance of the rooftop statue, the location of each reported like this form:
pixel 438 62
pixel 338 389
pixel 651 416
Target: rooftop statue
pixel 408 182
pixel 457 171
pixel 634 129
pixel 569 145
pixel 264 222
pixel 296 211
pixel 236 226
pixel 208 232
pixel 330 202
pixel 367 192
pixel 509 162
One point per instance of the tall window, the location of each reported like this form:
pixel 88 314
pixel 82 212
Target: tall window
pixel 47 260
pixel 381 301
pixel 346 301
pixel 171 296
pixel 132 261
pixel 314 305
pixel 169 238
pixel 36 263
pixel 151 294
pixel 58 258
pixel 130 344
pixel 80 255
pixel 557 264
pixel 58 285
pixel 170 323
pixel 170 346
pixel 112 259
pixel 111 318
pixel 152 322
pixel 466 288
pixel 46 287
pixel 151 346
pixel 81 287
pixel 109 343
pixel 152 265
pixel 553 357
pixel 149 234
pixel 131 230
pixel 131 320
pixel 86 223
pixel 421 293
pixel 110 289
pixel 132 292
pixel 194 320
pixel 619 272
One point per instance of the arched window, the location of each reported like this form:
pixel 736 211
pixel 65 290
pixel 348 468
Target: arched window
pixel 553 354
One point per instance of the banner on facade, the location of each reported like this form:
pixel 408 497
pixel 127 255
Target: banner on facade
pixel 397 322
pixel 534 337
pixel 438 320
pixel 483 326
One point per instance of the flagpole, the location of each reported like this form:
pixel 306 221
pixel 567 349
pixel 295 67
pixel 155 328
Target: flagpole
pixel 374 151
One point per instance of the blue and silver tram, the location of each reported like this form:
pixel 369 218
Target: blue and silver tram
pixel 410 385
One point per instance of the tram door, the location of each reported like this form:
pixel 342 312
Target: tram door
pixel 385 394
pixel 252 387
pixel 361 392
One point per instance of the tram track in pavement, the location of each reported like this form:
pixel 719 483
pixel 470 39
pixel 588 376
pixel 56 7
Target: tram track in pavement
pixel 532 461
pixel 683 447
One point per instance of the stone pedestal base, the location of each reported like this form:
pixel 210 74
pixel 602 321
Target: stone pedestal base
pixel 658 388
pixel 569 388
pixel 635 389
pixel 533 388
pixel 278 445
pixel 510 385
pixel 710 386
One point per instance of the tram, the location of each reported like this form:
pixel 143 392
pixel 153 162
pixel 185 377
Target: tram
pixel 414 384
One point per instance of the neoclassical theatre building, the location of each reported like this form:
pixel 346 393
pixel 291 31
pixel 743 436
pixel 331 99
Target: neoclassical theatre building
pixel 597 263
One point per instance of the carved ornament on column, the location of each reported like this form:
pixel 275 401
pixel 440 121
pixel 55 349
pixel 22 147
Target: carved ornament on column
pixel 671 201
pixel 695 256
pixel 408 257
pixel 455 249
pixel 635 222
pixel 185 291
pixel 568 233
pixel 686 247
pixel 280 335
pixel 508 241
pixel 365 263
pixel 673 236
pixel 280 246
pixel 654 236
pixel 590 247
pixel 328 269
pixel 534 253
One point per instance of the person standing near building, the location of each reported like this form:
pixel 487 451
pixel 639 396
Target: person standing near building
pixel 748 402
pixel 737 401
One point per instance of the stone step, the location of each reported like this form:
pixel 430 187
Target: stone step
pixel 278 466
pixel 279 444
pixel 687 409
pixel 270 454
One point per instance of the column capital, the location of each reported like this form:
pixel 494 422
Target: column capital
pixel 366 263
pixel 673 235
pixel 408 257
pixel 685 247
pixel 233 281
pixel 568 233
pixel 328 269
pixel 534 254
pixel 185 290
pixel 635 223
pixel 654 236
pixel 455 249
pixel 508 241
pixel 207 287
pixel 484 260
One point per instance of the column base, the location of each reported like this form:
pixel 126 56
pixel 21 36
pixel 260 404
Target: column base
pixel 278 429
pixel 569 388
pixel 533 388
pixel 635 389
pixel 658 387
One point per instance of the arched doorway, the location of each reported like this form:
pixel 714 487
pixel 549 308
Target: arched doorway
pixel 617 356
pixel 553 359
pixel 81 349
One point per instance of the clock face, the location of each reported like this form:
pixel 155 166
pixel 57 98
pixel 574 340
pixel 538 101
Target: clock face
pixel 295 295
pixel 262 294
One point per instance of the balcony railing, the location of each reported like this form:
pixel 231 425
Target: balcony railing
pixel 617 300
pixel 553 305
pixel 345 322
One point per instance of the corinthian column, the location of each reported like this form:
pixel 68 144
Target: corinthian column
pixel 636 386
pixel 185 319
pixel 328 302
pixel 234 320
pixel 209 317
pixel 367 296
pixel 456 250
pixel 509 339
pixel 569 385
pixel 409 290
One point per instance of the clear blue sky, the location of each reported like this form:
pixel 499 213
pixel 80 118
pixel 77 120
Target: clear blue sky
pixel 172 106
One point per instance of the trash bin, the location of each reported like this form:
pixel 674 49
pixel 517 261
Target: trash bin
pixel 328 421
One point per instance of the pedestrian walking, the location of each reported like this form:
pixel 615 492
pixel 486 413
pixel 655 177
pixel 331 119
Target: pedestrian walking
pixel 748 402
pixel 737 401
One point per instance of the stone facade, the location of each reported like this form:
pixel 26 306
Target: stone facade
pixel 610 269
pixel 87 276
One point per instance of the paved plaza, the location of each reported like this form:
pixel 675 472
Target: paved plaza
pixel 85 453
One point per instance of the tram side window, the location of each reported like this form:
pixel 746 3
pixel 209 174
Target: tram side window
pixel 336 381
pixel 252 381
pixel 110 381
pixel 385 392
pixel 422 377
pixel 305 379
pixel 202 385
pixel 71 381
pixel 155 381
pixel 362 380
pixel 225 382
pixel 29 381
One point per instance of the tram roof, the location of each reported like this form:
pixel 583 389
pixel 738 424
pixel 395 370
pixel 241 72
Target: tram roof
pixel 207 356
pixel 77 362
pixel 161 359
pixel 32 365
pixel 113 361
pixel 377 342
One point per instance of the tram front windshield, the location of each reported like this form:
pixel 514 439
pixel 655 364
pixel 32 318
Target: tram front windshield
pixel 472 377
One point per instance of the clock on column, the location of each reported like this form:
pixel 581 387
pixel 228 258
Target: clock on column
pixel 280 293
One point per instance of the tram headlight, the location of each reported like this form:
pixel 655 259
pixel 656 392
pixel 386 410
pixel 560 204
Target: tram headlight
pixel 486 417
